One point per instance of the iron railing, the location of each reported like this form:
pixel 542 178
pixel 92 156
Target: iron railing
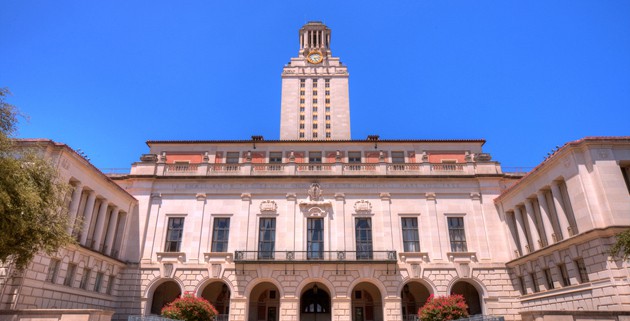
pixel 480 317
pixel 315 256
pixel 147 318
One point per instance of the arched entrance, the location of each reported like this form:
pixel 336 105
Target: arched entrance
pixel 218 294
pixel 366 303
pixel 470 294
pixel 315 303
pixel 413 296
pixel 164 294
pixel 264 303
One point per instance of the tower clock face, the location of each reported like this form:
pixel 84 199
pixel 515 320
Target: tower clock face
pixel 315 57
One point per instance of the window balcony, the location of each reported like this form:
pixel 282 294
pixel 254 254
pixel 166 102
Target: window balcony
pixel 358 257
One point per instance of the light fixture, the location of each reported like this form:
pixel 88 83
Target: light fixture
pixel 315 289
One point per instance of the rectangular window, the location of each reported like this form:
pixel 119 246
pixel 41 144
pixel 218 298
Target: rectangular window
pixel 302 93
pixel 314 109
pixel 315 135
pixel 301 117
pixel 302 100
pixel 327 101
pixel 363 230
pixel 327 109
pixel 354 157
pixel 302 109
pixel 301 126
pixel 327 135
pixel 232 158
pixel 314 126
pixel 327 83
pixel 301 135
pixel 220 234
pixel 314 100
pixel 583 274
pixel 532 276
pixel 315 239
pixel 302 83
pixel 398 157
pixel 327 117
pixel 110 284
pixel 315 157
pixel 85 279
pixel 327 126
pixel 174 234
pixel 70 274
pixel 53 269
pixel 564 274
pixel 267 238
pixel 276 157
pixel 521 281
pixel 98 281
pixel 411 239
pixel 548 279
pixel 456 234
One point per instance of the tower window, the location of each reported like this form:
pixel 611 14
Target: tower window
pixel 327 83
pixel 327 135
pixel 314 100
pixel 314 126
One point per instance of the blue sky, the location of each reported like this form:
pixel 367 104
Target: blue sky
pixel 105 76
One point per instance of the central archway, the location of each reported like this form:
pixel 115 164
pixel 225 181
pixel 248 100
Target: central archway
pixel 264 302
pixel 315 303
pixel 218 294
pixel 471 296
pixel 413 296
pixel 164 294
pixel 366 303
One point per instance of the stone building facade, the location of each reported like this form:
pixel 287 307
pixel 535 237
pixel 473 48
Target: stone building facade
pixel 329 228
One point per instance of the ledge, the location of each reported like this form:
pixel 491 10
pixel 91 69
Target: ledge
pixel 414 257
pixel 171 257
pixel 462 257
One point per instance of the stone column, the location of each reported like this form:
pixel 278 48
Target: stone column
pixel 100 225
pixel 238 309
pixel 289 309
pixel 201 240
pixel 341 309
pixel 111 230
pixel 74 205
pixel 155 203
pixel 563 220
pixel 392 310
pixel 545 215
pixel 250 237
pixel 437 245
pixel 338 243
pixel 292 221
pixel 520 228
pixel 87 216
pixel 533 229
pixel 387 218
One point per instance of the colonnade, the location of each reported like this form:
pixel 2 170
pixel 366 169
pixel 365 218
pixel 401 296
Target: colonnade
pixel 543 218
pixel 97 223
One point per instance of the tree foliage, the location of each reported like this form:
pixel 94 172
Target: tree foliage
pixel 190 308
pixel 440 308
pixel 33 211
pixel 621 248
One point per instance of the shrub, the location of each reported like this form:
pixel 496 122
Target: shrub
pixel 440 308
pixel 190 308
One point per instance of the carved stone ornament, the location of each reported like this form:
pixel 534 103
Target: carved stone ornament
pixel 268 206
pixel 363 206
pixel 149 158
pixel 482 157
pixel 315 193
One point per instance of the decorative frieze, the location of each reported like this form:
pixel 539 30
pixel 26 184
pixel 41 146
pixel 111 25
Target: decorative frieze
pixel 362 207
pixel 268 207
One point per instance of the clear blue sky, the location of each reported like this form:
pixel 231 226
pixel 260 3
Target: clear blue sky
pixel 105 76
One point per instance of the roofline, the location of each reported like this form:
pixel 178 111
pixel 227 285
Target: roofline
pixel 243 141
pixel 85 161
pixel 561 150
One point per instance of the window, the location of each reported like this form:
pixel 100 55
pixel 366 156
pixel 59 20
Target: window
pixel 521 281
pixel 110 284
pixel 302 83
pixel 456 234
pixel 301 135
pixel 302 93
pixel 53 269
pixel 302 109
pixel 327 126
pixel 302 126
pixel 315 135
pixel 302 100
pixel 534 283
pixel 327 135
pixel 174 234
pixel 267 238
pixel 232 158
pixel 276 157
pixel 314 126
pixel 314 109
pixel 354 157
pixel 363 229
pixel 315 239
pixel 314 82
pixel 70 274
pixel 327 83
pixel 327 109
pixel 327 100
pixel 548 279
pixel 85 279
pixel 314 100
pixel 583 274
pixel 411 240
pixel 98 282
pixel 398 157
pixel 327 117
pixel 301 117
pixel 220 234
pixel 315 157
pixel 564 274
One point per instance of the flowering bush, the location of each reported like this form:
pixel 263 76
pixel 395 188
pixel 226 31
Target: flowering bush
pixel 440 308
pixel 190 308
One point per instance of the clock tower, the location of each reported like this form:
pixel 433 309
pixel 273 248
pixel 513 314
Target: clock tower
pixel 315 103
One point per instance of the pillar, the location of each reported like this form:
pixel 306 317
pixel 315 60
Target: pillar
pixel 74 205
pixel 87 216
pixel 111 231
pixel 533 229
pixel 101 218
pixel 520 228
pixel 563 220
pixel 545 215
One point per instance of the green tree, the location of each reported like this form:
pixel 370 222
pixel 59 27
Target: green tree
pixel 621 248
pixel 33 210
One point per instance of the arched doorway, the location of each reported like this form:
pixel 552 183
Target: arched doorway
pixel 218 294
pixel 413 296
pixel 315 303
pixel 366 303
pixel 470 294
pixel 164 294
pixel 264 302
